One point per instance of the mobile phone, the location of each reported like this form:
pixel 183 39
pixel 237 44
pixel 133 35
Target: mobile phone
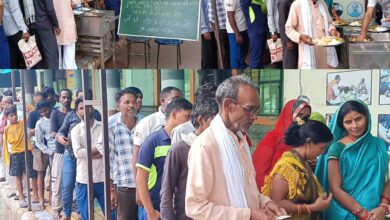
pixel 283 217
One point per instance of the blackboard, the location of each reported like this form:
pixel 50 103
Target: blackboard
pixel 173 19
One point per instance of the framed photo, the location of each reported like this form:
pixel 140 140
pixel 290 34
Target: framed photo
pixel 343 86
pixel 384 128
pixel 384 87
pixel 328 118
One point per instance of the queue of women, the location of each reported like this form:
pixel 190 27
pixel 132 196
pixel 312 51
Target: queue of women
pixel 339 172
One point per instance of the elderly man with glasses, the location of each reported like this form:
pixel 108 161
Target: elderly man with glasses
pixel 221 150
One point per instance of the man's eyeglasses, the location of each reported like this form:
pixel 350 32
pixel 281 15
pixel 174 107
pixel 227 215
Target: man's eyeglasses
pixel 251 111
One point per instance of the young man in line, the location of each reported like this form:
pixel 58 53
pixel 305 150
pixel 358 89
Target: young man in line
pixel 152 156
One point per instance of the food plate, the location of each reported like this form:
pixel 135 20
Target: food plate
pixel 356 23
pixel 85 9
pixel 328 41
pixel 353 39
pixel 340 23
pixel 377 28
pixel 77 12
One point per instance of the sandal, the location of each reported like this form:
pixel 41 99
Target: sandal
pixel 40 207
pixel 35 201
pixel 12 194
pixel 23 204
pixel 16 197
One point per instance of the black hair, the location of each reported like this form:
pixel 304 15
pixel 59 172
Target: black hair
pixel 337 77
pixel 297 135
pixel 43 104
pixel 77 103
pixel 165 92
pixel 178 104
pixel 205 91
pixel 81 90
pixel 7 93
pixel 122 92
pixel 38 94
pixel 136 90
pixel 207 108
pixel 65 90
pixel 46 91
pixel 10 110
pixel 347 107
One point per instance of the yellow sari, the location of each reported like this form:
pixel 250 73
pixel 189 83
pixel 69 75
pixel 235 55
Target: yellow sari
pixel 303 186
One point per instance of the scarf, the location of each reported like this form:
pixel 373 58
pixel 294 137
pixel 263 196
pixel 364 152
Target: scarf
pixel 189 138
pixel 29 11
pixel 233 170
pixel 272 147
pixel 363 167
pixel 309 60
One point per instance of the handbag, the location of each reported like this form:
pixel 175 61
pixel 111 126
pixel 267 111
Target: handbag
pixel 30 51
pixel 276 50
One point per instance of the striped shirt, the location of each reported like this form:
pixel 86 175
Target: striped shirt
pixel 221 13
pixel 121 148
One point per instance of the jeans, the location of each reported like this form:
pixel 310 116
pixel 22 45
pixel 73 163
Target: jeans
pixel 238 51
pixel 68 183
pixel 5 63
pixel 82 197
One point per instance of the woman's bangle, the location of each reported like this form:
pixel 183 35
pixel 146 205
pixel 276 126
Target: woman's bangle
pixel 385 207
pixel 386 198
pixel 366 215
pixel 358 212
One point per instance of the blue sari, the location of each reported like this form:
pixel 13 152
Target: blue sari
pixel 363 167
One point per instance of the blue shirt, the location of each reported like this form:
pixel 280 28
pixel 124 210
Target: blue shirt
pixel 204 18
pixel 152 158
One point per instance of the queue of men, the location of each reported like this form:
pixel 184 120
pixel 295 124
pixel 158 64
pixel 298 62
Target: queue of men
pixel 151 177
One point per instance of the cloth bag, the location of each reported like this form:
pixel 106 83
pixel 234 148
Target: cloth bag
pixel 276 50
pixel 30 51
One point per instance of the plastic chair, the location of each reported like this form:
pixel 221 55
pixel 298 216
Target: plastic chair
pixel 139 40
pixel 170 42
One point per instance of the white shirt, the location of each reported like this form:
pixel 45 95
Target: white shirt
pixel 78 136
pixel 148 125
pixel 234 5
pixel 42 133
pixel 179 131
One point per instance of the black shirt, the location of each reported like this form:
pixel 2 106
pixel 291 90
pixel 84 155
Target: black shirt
pixel 33 119
pixel 56 120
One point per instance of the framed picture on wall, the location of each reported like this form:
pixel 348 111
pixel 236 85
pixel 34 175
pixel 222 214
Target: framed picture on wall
pixel 384 87
pixel 343 86
pixel 384 128
pixel 328 118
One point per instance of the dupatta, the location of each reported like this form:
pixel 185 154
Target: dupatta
pixel 271 147
pixel 363 167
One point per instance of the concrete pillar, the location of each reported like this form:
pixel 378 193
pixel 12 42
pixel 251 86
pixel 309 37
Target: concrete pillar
pixel 30 78
pixel 77 79
pixel 172 77
pixel 113 86
pixel 48 78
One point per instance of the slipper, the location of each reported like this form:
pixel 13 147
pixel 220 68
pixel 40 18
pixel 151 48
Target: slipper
pixel 40 207
pixel 16 197
pixel 23 204
pixel 35 201
pixel 12 194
